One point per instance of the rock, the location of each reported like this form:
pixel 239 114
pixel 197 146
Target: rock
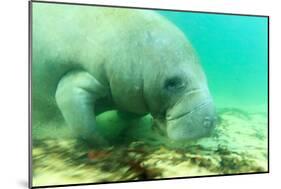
pixel 237 145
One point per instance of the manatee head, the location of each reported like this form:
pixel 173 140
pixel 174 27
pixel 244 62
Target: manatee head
pixel 180 99
pixel 189 111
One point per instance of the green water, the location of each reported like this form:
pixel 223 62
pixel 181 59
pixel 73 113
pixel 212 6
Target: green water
pixel 233 51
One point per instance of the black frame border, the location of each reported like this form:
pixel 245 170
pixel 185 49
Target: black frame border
pixel 145 8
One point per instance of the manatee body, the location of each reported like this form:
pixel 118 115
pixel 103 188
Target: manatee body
pixel 88 60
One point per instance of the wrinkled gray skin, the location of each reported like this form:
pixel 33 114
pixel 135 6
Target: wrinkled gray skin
pixel 88 60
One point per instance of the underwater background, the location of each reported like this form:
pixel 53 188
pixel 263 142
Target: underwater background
pixel 233 51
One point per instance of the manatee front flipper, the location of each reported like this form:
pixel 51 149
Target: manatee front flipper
pixel 76 94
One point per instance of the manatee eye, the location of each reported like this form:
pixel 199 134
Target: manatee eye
pixel 174 83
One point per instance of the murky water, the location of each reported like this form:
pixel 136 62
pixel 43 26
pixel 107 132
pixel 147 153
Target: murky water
pixel 233 53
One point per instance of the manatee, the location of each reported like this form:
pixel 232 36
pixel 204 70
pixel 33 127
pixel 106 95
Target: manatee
pixel 88 60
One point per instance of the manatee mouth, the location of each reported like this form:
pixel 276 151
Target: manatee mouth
pixel 194 123
pixel 205 103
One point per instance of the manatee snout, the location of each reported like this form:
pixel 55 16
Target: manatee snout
pixel 193 117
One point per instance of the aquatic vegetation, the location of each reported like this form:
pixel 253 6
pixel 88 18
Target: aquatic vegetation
pixel 222 153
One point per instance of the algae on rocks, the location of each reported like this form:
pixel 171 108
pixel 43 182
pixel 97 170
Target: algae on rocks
pixel 237 145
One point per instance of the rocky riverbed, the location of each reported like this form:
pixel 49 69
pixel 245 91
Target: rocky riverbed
pixel 237 145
